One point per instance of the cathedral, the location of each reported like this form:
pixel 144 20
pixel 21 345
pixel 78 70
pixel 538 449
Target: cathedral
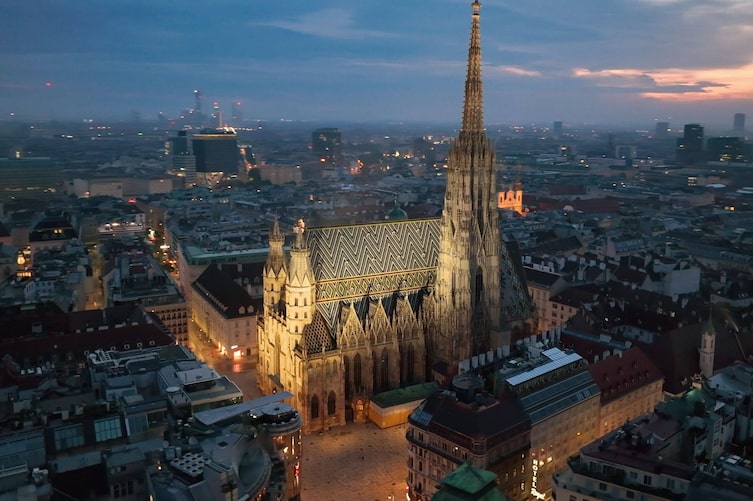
pixel 351 311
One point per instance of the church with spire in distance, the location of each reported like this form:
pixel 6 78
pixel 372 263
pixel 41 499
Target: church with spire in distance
pixel 352 311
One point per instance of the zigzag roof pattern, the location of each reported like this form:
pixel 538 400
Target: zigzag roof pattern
pixel 390 247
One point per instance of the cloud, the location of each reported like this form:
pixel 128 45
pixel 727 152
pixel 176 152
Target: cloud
pixel 328 23
pixel 676 84
pixel 511 70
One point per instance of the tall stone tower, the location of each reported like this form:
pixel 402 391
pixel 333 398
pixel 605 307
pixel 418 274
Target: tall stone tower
pixel 467 292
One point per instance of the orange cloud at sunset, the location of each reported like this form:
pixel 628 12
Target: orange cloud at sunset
pixel 677 84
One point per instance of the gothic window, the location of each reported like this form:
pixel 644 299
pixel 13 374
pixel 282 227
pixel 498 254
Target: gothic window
pixel 346 368
pixel 314 407
pixel 357 372
pixel 384 368
pixel 331 403
pixel 479 285
pixel 411 363
pixel 374 372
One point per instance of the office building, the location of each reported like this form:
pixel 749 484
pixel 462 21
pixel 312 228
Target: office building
pixel 326 144
pixel 690 145
pixel 662 130
pixel 29 174
pixel 236 114
pixel 557 130
pixel 184 166
pixel 727 149
pixel 217 155
pixel 738 125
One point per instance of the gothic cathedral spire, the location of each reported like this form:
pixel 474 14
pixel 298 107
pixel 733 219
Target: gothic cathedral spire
pixel 473 109
pixel 467 291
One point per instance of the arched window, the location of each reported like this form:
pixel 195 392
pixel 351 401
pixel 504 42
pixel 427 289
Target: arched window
pixel 411 363
pixel 357 372
pixel 384 365
pixel 479 285
pixel 331 404
pixel 346 369
pixel 374 372
pixel 314 407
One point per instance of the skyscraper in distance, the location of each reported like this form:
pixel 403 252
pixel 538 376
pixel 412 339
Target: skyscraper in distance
pixel 690 145
pixel 236 113
pixel 217 154
pixel 738 125
pixel 557 129
pixel 662 130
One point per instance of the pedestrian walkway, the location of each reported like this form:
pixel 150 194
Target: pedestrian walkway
pixel 358 462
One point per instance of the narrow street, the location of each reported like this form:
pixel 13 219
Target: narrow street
pixel 242 372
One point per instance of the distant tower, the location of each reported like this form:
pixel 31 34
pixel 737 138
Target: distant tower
pixel 739 124
pixel 217 114
pixel 236 113
pixel 708 348
pixel 183 162
pixel 690 145
pixel 197 118
pixel 662 130
pixel 557 130
pixel 197 101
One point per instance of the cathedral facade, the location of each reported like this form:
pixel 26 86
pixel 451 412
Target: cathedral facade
pixel 355 310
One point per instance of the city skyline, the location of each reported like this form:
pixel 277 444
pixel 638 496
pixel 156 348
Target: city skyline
pixel 633 62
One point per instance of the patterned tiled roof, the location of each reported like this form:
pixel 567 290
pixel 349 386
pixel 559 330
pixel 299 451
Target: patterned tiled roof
pixel 372 260
pixel 339 252
pixel 317 336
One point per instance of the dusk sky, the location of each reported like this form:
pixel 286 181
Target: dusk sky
pixel 598 61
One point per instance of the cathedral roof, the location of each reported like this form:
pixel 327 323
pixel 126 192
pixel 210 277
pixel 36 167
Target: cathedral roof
pixel 373 249
pixel 357 263
pixel 317 336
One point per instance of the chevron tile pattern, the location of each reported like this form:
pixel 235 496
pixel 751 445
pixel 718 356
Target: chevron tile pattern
pixel 367 250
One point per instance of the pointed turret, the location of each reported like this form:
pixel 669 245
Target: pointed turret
pixel 473 109
pixel 275 268
pixel 300 297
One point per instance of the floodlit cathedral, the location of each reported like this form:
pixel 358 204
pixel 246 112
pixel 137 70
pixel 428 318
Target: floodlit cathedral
pixel 356 310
